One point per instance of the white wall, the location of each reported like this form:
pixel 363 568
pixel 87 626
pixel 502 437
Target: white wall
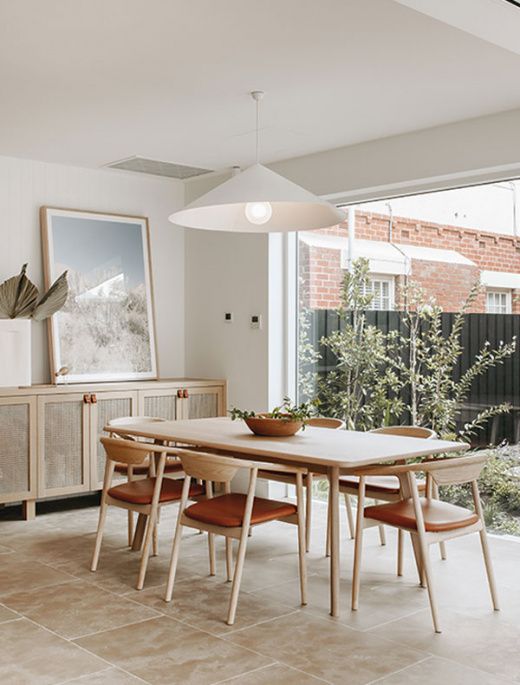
pixel 26 185
pixel 228 273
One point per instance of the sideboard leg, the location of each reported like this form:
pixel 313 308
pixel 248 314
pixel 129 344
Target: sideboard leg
pixel 29 509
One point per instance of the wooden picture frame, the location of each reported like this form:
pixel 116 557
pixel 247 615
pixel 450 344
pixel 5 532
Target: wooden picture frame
pixel 106 330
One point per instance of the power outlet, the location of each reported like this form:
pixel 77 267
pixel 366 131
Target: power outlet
pixel 228 317
pixel 256 322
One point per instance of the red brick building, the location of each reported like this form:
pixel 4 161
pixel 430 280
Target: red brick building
pixel 445 260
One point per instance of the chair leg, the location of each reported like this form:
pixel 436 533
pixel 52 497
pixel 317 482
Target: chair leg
pixel 350 516
pixel 308 511
pixel 99 536
pixel 442 545
pixel 130 527
pixel 418 559
pixel 146 550
pixel 211 549
pixel 139 532
pixel 489 569
pixel 382 535
pixel 237 577
pixel 229 559
pixel 426 567
pixel 173 562
pixel 400 544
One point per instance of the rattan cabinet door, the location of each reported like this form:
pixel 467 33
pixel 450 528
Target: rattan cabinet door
pixel 163 404
pixel 203 403
pixel 63 444
pixel 18 479
pixel 104 407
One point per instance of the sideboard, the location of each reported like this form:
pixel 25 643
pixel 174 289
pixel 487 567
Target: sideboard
pixel 49 435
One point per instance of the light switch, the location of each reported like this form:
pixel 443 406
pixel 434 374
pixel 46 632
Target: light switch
pixel 228 317
pixel 256 321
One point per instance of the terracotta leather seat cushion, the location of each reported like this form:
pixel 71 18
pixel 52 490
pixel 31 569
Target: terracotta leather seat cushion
pixel 141 491
pixel 438 516
pixel 172 466
pixel 388 485
pixel 228 510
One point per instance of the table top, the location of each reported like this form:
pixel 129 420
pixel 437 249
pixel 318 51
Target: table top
pixel 320 446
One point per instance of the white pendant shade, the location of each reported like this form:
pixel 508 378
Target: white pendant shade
pixel 258 200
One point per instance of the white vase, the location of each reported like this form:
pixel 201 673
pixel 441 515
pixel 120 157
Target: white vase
pixel 15 352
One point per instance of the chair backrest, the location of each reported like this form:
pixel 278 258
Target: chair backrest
pixel 324 422
pixel 210 467
pixel 407 431
pixel 457 470
pixel 128 452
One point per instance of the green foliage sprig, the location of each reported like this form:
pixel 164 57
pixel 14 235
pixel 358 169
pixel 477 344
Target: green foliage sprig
pixel 287 411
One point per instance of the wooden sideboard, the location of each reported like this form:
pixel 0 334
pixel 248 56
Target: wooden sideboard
pixel 49 435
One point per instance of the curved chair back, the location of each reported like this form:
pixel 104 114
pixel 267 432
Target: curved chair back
pixel 324 422
pixel 129 452
pixel 210 467
pixel 407 431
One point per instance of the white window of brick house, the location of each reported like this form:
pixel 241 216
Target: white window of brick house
pixel 383 289
pixel 498 302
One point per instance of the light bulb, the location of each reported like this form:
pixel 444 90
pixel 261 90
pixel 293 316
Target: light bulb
pixel 258 212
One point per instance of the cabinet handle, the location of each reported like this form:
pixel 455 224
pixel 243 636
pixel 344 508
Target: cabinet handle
pixel 86 399
pixel 179 393
pixel 185 393
pixel 93 399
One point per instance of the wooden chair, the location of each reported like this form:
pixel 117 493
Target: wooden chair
pixel 145 496
pixel 232 515
pixel 308 478
pixel 427 519
pixel 173 465
pixel 385 489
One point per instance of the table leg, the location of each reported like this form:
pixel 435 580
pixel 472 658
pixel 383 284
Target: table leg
pixel 29 509
pixel 334 539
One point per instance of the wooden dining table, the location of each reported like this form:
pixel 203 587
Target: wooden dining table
pixel 321 450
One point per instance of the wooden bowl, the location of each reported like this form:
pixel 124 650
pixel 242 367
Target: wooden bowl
pixel 274 428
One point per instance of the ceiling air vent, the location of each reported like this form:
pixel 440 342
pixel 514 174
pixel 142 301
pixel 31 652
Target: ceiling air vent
pixel 142 165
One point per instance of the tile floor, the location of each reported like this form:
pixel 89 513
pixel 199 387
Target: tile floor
pixel 60 623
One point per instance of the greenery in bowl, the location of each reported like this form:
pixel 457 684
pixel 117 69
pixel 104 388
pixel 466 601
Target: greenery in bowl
pixel 287 411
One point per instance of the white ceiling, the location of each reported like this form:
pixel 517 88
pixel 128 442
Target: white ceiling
pixel 88 82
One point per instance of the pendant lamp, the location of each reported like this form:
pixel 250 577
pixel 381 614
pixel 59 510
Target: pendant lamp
pixel 258 200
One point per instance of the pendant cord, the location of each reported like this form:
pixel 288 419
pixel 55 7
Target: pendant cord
pixel 257 127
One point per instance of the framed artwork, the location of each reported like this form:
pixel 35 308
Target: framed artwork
pixel 105 331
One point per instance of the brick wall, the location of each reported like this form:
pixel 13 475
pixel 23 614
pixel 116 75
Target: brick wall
pixel 449 284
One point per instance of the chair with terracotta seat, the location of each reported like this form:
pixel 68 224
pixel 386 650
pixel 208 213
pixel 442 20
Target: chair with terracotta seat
pixel 427 519
pixel 308 478
pixel 173 465
pixel 233 514
pixel 145 496
pixel 383 488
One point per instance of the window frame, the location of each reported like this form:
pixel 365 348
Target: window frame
pixel 383 278
pixel 501 293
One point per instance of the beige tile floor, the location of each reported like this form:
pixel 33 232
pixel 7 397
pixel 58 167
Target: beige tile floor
pixel 60 623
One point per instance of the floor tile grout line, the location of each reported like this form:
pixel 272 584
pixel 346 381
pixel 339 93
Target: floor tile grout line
pixel 106 630
pixel 241 675
pixel 85 675
pixel 392 620
pixel 400 670
pixel 506 681
pixel 259 623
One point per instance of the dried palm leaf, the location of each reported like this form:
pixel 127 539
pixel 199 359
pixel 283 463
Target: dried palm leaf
pixel 18 296
pixel 53 300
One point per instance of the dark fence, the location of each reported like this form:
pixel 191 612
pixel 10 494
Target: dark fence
pixel 499 384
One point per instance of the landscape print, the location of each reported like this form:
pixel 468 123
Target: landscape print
pixel 105 331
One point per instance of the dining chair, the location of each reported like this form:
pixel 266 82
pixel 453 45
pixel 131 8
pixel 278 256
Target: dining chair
pixel 426 518
pixel 384 488
pixel 232 515
pixel 145 496
pixel 308 477
pixel 134 472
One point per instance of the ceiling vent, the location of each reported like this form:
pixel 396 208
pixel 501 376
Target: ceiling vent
pixel 142 165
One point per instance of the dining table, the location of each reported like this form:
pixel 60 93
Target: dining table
pixel 320 450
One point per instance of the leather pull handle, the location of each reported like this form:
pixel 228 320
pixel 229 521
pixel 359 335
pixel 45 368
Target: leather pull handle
pixel 179 393
pixel 93 399
pixel 86 399
pixel 185 393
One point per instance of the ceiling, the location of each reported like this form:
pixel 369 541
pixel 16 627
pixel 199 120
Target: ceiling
pixel 88 82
